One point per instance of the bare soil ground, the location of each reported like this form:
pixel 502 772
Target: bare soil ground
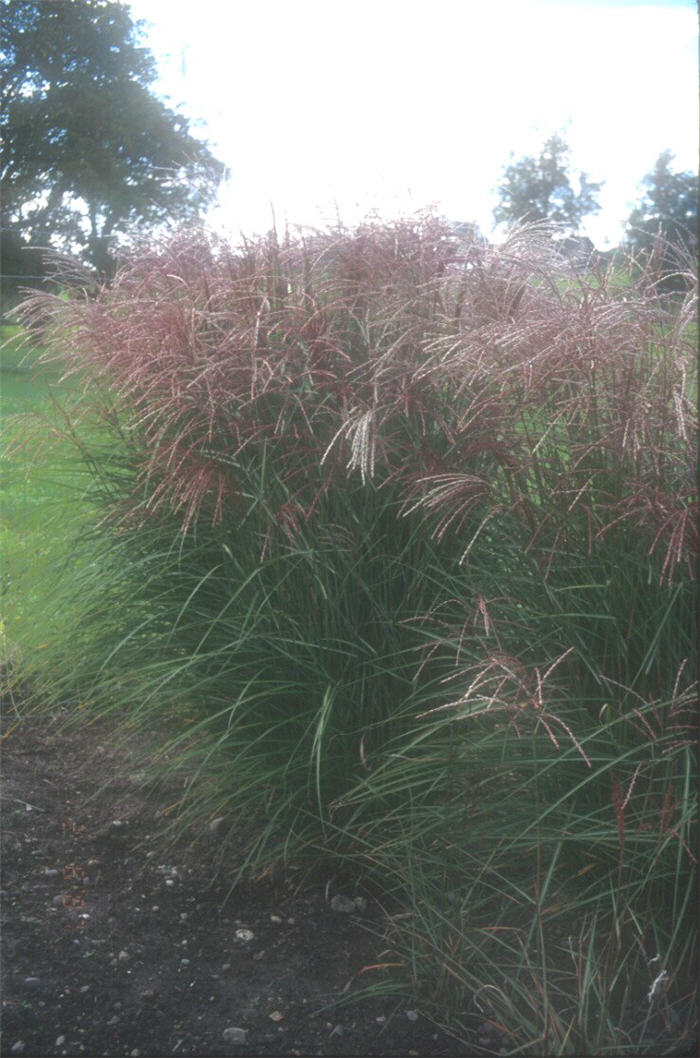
pixel 112 949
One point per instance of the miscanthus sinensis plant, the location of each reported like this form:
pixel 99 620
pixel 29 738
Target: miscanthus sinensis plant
pixel 392 550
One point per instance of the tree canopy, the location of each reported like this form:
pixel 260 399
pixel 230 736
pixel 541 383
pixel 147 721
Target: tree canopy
pixel 88 151
pixel 540 189
pixel 668 208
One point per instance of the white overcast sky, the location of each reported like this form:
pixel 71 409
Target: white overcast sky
pixel 393 105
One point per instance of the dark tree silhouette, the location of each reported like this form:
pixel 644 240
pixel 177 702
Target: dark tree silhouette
pixel 540 189
pixel 88 151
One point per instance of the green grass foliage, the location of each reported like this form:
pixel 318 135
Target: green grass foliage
pixel 388 540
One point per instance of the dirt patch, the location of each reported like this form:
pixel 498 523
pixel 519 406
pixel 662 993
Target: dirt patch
pixel 110 948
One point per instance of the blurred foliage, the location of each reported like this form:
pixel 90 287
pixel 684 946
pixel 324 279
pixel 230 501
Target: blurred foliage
pixel 668 212
pixel 540 189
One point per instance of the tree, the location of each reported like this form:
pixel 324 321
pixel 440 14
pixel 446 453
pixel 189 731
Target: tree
pixel 540 189
pixel 668 210
pixel 88 151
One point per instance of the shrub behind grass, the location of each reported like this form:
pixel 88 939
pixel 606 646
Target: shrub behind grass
pixel 396 548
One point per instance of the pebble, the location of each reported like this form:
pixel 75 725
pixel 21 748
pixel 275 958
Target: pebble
pixel 276 919
pixel 412 1015
pixel 123 956
pixel 32 982
pixel 234 1035
pixel 60 1040
pixel 347 905
pixel 51 872
pixel 57 901
pixel 343 904
pixel 19 1047
pixel 84 988
pixel 276 1015
pixel 244 934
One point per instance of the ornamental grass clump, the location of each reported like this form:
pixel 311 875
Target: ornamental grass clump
pixel 391 546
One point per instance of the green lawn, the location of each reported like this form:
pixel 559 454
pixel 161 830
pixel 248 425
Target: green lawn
pixel 35 479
